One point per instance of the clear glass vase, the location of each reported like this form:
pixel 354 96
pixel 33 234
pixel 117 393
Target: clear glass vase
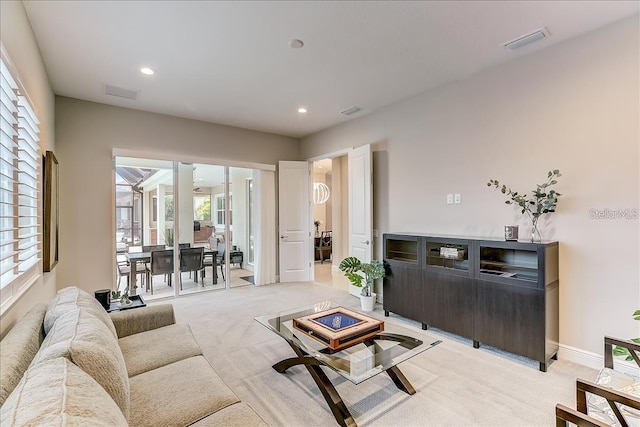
pixel 536 237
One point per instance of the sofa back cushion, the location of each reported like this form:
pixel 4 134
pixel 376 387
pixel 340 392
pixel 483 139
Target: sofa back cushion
pixel 85 340
pixel 58 393
pixel 70 298
pixel 18 348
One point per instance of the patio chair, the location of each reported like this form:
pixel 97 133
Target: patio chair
pixel 124 269
pixel 215 261
pixel 151 248
pixel 191 261
pixel 221 258
pixel 161 263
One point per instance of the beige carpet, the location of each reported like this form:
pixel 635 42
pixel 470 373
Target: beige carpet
pixel 456 384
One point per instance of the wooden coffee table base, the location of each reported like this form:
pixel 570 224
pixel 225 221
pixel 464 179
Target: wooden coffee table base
pixel 337 406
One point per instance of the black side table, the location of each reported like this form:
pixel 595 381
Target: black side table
pixel 135 299
pixel 236 257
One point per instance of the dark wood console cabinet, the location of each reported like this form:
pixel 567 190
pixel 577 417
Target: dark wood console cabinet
pixel 503 294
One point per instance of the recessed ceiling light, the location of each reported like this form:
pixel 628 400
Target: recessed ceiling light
pixel 147 71
pixel 302 110
pixel 296 43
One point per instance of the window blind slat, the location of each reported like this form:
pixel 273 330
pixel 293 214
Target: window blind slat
pixel 27 142
pixel 24 129
pixel 7 89
pixel 29 155
pixel 27 168
pixel 6 255
pixel 8 126
pixel 23 105
pixel 6 112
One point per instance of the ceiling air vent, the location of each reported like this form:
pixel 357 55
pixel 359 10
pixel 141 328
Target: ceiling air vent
pixel 527 39
pixel 351 110
pixel 121 92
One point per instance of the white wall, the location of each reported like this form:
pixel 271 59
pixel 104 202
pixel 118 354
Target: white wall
pixel 20 44
pixel 87 132
pixel 574 107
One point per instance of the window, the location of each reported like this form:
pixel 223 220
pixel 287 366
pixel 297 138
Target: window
pixel 202 207
pixel 168 208
pixel 20 165
pixel 219 211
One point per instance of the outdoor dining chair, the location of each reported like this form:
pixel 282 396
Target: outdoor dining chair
pixel 191 260
pixel 161 263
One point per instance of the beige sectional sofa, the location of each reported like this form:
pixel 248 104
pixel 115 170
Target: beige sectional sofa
pixel 73 364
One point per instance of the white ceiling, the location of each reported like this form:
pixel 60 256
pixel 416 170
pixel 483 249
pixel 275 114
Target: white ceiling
pixel 229 62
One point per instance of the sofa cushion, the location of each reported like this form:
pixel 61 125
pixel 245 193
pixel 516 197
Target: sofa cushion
pixel 178 394
pixel 72 297
pixel 158 347
pixel 58 393
pixel 87 342
pixel 237 415
pixel 18 348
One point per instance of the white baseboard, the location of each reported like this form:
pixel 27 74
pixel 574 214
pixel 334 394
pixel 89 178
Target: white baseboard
pixel 595 361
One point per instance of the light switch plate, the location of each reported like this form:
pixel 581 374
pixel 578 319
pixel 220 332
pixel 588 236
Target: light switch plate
pixel 457 199
pixel 449 199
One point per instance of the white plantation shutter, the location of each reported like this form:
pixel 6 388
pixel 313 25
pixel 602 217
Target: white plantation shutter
pixel 19 188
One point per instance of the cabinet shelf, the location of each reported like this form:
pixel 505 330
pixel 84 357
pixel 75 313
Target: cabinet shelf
pixel 447 255
pixel 401 250
pixel 501 265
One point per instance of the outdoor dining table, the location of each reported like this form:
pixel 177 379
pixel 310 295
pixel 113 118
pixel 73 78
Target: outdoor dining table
pixel 143 257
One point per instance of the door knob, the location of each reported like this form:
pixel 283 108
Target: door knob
pixel 283 236
pixel 366 242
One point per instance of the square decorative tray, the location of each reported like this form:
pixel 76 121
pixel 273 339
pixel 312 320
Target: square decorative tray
pixel 136 302
pixel 339 327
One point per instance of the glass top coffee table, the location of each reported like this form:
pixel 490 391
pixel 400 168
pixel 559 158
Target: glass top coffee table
pixel 357 362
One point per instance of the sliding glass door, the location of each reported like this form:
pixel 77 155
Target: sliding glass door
pixel 201 213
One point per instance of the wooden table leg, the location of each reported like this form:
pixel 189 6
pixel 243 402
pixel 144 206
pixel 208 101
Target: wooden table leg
pixel 400 380
pixel 329 392
pixel 132 277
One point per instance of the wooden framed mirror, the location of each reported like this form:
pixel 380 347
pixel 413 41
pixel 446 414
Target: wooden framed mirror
pixel 50 220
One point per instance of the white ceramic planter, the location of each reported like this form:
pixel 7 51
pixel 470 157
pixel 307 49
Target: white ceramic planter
pixel 354 290
pixel 367 303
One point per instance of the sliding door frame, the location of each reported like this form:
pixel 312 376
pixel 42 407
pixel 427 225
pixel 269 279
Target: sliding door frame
pixel 176 159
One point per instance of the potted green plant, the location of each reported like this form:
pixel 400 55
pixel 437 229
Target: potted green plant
pixel 362 275
pixel 542 201
pixel 121 297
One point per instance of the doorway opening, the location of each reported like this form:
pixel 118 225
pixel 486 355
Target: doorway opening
pixel 330 216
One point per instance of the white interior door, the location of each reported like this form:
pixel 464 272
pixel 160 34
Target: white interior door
pixel 360 203
pixel 294 222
